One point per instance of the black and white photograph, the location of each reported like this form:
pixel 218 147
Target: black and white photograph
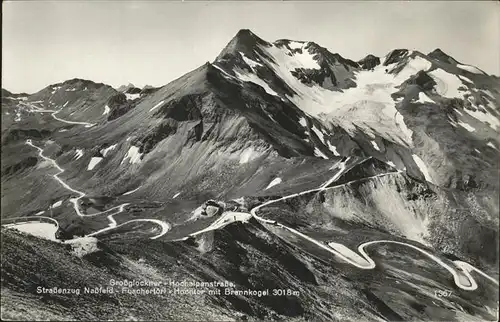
pixel 250 160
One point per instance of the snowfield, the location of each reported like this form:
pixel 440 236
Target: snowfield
pixel 485 117
pixel 470 68
pixel 333 149
pixel 318 133
pixel 57 204
pixel 422 98
pixel 131 97
pixel 249 62
pixel 93 162
pixel 78 154
pixel 248 155
pixel 463 78
pixel 466 126
pixel 491 145
pixel 447 84
pixel 250 77
pixel 156 106
pixel 273 183
pixel 131 191
pixel 133 155
pixel 423 168
pixel 105 151
pixel 360 105
pixel 318 153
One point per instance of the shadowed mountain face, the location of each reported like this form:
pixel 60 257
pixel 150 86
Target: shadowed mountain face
pixel 398 148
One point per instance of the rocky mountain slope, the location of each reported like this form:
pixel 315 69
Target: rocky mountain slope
pixel 403 147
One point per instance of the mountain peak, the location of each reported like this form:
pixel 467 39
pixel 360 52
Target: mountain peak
pixel 395 56
pixel 243 41
pixel 369 62
pixel 244 33
pixel 124 88
pixel 442 56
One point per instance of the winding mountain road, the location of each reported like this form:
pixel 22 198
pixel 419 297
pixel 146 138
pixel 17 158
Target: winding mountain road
pixel 36 109
pixel 165 227
pixel 461 272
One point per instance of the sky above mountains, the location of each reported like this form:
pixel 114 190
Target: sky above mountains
pixel 46 42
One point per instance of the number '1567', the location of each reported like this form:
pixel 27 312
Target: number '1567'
pixel 442 293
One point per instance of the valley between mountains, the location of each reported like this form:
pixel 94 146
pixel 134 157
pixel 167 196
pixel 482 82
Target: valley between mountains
pixel 364 189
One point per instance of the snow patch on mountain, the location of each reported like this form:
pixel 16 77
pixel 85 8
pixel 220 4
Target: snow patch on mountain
pixel 225 74
pixel 488 93
pixel 248 155
pixel 106 110
pixel 463 78
pixel 491 145
pixel 333 148
pixel 319 134
pixel 447 84
pixel 55 89
pixel 249 77
pixel 485 117
pixel 57 204
pixel 423 98
pixel 131 97
pixel 296 44
pixel 466 126
pixel 93 162
pixel 249 62
pixel 356 106
pixel 306 59
pixel 78 154
pixel 176 195
pixel 157 105
pixel 423 168
pixel 105 151
pixel 318 153
pixel 470 68
pixel 303 122
pixel 375 145
pixel 131 191
pixel 133 155
pixel 273 183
